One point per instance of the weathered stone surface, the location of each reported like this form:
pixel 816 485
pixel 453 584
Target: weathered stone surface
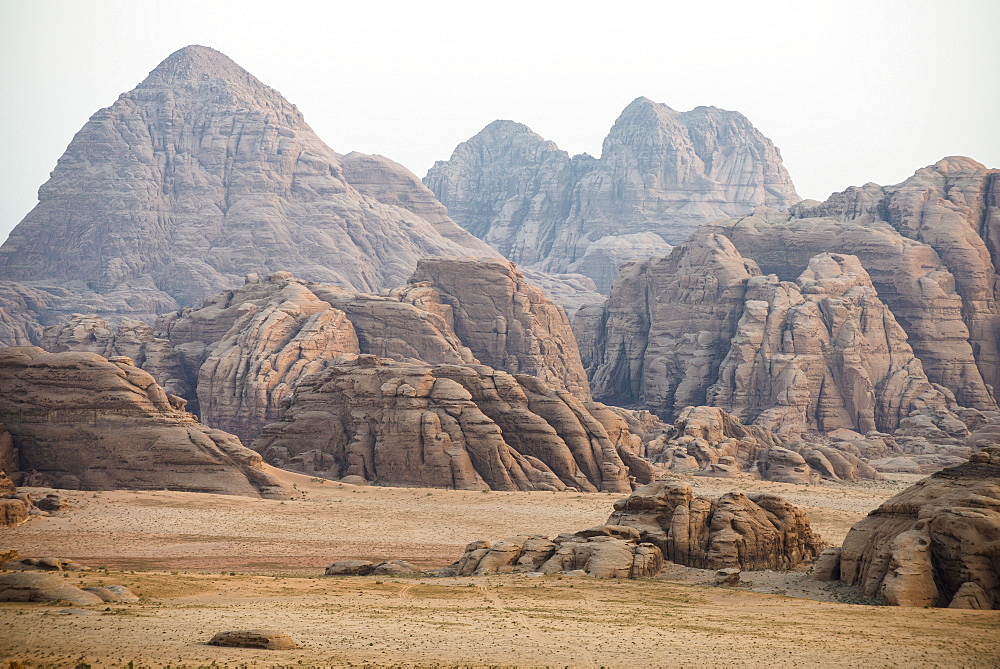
pixel 33 587
pixel 926 545
pixel 660 521
pixel 658 341
pixel 827 567
pixel 83 422
pixel 759 531
pixel 263 639
pixel 455 426
pixel 113 593
pixel 927 244
pixel 507 323
pixel 824 353
pixel 197 177
pixel 661 172
pixel 701 326
pixel 350 568
pixel 597 554
pixel 13 512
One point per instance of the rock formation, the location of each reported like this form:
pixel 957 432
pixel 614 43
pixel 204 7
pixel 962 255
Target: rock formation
pixel 506 322
pixel 454 426
pixel 937 543
pixel 661 174
pixel 926 244
pixel 703 327
pixel 238 357
pixel 662 520
pixel 197 177
pixel 604 552
pixel 758 531
pixel 80 421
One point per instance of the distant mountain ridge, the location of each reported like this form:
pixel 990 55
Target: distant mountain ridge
pixel 661 172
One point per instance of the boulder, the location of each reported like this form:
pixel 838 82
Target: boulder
pixel 933 542
pixel 34 587
pixel 350 568
pixel 262 639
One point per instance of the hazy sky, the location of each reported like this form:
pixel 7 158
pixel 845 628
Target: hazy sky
pixel 850 92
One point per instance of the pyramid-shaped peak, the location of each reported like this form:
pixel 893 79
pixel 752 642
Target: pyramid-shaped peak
pixel 209 75
pixel 196 62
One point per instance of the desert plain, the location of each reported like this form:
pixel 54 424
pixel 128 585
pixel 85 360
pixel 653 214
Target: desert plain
pixel 207 563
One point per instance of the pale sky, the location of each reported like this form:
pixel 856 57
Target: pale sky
pixel 850 91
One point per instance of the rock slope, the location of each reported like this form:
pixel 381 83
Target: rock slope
pixel 80 421
pixel 197 177
pixel 928 245
pixel 937 543
pixel 454 426
pixel 660 175
pixel 704 327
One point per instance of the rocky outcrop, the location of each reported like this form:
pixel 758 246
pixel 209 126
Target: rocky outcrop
pixel 662 520
pixel 80 421
pixel 453 426
pixel 28 587
pixel 927 245
pixel 758 531
pixel 823 352
pixel 506 322
pixel 937 543
pixel 606 552
pixel 703 327
pixel 952 206
pixel 197 177
pixel 661 173
pixel 658 341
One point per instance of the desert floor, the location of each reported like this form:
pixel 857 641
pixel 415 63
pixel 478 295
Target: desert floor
pixel 207 563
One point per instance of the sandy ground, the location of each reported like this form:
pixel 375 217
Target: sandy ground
pixel 206 563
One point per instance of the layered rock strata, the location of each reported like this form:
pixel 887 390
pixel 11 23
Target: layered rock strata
pixel 197 177
pixel 661 174
pixel 453 426
pixel 704 327
pixel 937 543
pixel 80 421
pixel 928 245
pixel 506 322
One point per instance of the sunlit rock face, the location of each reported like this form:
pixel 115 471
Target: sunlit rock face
pixel 660 175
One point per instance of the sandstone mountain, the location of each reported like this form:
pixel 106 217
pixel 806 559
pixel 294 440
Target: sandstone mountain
pixel 703 326
pixel 238 358
pixel 455 426
pixel 934 544
pixel 660 175
pixel 928 245
pixel 197 177
pixel 80 421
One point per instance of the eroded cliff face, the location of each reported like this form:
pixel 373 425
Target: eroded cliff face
pixel 823 352
pixel 703 326
pixel 928 245
pixel 506 322
pixel 454 426
pixel 238 357
pixel 658 341
pixel 199 176
pixel 81 421
pixel 935 543
pixel 661 174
